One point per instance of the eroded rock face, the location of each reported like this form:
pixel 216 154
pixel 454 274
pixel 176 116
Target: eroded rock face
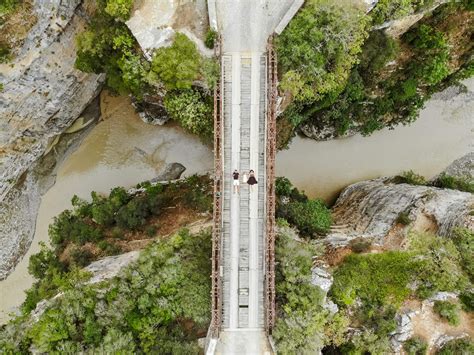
pixel 370 209
pixel 43 93
pixel 19 208
pixel 110 266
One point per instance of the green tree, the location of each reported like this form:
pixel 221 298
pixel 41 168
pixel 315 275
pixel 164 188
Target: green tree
pixel 120 9
pixel 310 217
pixel 176 66
pixel 192 110
pixel 318 48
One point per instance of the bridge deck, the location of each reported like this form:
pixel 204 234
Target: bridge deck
pixel 244 101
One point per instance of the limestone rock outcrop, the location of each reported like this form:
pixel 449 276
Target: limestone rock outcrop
pixel 371 209
pixel 155 22
pixel 43 94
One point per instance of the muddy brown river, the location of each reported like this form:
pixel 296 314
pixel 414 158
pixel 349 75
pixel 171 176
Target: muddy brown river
pixel 122 151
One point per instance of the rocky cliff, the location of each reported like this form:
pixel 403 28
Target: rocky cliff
pixel 372 209
pixel 42 96
pixel 43 93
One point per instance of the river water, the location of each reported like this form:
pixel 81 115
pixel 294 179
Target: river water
pixel 442 133
pixel 122 151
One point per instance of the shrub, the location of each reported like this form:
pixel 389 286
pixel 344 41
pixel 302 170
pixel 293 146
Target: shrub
pixel 43 262
pixel 415 346
pixel 81 257
pixel 109 248
pixel 410 177
pixel 151 231
pixel 133 215
pixel 7 7
pixel 360 245
pixel 210 71
pixel 375 279
pixel 192 111
pixel 387 10
pixel 433 69
pixel 448 311
pixel 426 37
pixel 464 346
pixel 403 218
pixel 177 66
pixel 377 51
pixel 211 37
pixel 108 46
pixel 70 228
pixel 455 183
pixel 5 54
pixel 283 187
pixel 120 9
pixel 310 217
pixel 463 239
pixel 439 264
pixel 467 300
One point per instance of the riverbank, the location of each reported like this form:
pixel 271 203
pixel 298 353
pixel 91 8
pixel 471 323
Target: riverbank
pixel 442 133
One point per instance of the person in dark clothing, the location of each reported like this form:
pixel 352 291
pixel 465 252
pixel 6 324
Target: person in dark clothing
pixel 235 181
pixel 251 180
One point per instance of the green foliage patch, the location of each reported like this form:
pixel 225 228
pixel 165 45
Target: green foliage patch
pixel 318 48
pixel 448 311
pixel 464 346
pixel 177 66
pixel 376 81
pixel 160 304
pixel 192 110
pixel 119 9
pixel 375 279
pixel 175 72
pixel 373 286
pixel 456 183
pixel 92 229
pixel 303 325
pixel 311 217
pixel 415 346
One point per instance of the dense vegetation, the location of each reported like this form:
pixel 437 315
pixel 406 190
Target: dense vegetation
pixel 178 75
pixel 341 75
pixel 160 305
pixel 105 226
pixel 303 325
pixel 372 287
pixel 463 346
pixel 461 183
pixel 311 217
pixel 369 289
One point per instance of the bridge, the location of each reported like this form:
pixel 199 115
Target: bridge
pixel 243 287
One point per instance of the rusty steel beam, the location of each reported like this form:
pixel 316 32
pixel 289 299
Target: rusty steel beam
pixel 216 293
pixel 272 92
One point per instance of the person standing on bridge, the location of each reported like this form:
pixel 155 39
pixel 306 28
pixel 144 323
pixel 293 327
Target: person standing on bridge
pixel 236 183
pixel 251 180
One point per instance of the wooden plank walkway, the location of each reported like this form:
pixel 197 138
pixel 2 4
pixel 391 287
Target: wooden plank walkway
pixel 244 101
